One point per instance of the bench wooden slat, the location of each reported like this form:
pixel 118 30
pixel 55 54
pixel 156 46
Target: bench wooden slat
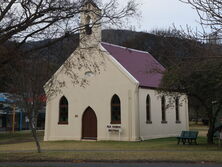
pixel 188 137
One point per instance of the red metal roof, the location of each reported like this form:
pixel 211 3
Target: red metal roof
pixel 141 65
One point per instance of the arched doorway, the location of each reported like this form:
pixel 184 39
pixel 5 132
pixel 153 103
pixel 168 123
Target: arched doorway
pixel 89 125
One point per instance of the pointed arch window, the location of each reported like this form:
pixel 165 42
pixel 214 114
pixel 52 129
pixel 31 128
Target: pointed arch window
pixel 163 109
pixel 63 110
pixel 115 110
pixel 88 26
pixel 177 109
pixel 148 110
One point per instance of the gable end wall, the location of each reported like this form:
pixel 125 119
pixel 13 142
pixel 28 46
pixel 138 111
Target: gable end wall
pixel 111 80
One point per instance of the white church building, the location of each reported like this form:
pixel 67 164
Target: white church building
pixel 109 92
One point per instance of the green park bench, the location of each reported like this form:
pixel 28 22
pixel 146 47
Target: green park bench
pixel 188 137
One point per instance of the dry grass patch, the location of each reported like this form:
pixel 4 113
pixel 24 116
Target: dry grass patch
pixel 118 156
pixel 200 128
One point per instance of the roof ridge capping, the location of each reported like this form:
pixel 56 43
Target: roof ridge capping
pixel 123 47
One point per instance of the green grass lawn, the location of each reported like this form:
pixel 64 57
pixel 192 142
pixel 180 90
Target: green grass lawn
pixel 23 141
pixel 152 150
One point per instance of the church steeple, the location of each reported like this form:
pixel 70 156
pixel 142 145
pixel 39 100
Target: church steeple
pixel 90 33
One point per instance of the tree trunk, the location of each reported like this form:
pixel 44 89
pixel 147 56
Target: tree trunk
pixel 210 135
pixel 213 114
pixel 197 116
pixel 34 134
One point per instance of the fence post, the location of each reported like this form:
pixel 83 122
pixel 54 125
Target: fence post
pixel 21 121
pixel 13 119
pixel 220 138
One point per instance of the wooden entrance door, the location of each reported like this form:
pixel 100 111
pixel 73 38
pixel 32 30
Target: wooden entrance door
pixel 89 125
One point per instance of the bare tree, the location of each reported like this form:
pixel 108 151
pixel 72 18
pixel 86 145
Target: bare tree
pixel 209 11
pixel 25 20
pixel 27 84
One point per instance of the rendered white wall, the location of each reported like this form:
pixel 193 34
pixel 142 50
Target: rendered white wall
pixel 97 94
pixel 157 129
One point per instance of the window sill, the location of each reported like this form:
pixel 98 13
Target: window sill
pixel 164 122
pixel 63 123
pixel 149 122
pixel 178 122
pixel 115 123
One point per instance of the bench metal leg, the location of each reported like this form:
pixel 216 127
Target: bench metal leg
pixel 189 141
pixel 178 141
pixel 184 141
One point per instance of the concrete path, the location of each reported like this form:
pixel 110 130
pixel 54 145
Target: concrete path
pixel 59 164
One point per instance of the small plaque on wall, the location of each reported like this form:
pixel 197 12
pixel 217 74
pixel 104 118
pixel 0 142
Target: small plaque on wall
pixel 114 128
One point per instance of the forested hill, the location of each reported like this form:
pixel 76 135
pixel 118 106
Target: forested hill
pixel 166 48
pixel 59 52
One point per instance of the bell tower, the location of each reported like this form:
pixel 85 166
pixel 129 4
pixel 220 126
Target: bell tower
pixel 90 25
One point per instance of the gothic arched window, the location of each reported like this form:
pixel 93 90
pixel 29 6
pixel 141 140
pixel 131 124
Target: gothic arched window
pixel 148 107
pixel 163 109
pixel 63 111
pixel 115 110
pixel 88 26
pixel 177 108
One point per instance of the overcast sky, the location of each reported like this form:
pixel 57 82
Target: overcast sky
pixel 162 14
